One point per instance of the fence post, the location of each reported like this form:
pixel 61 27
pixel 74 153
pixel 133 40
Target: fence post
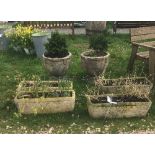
pixel 73 28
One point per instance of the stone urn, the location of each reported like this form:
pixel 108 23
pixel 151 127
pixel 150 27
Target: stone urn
pixel 93 27
pixel 94 65
pixel 56 66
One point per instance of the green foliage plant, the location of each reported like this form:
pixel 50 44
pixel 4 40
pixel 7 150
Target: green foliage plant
pixel 56 45
pixel 99 43
pixel 20 38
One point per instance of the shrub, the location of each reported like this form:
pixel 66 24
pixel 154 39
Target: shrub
pixel 56 45
pixel 20 38
pixel 99 42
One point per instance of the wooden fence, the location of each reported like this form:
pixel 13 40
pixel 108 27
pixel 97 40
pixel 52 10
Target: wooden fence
pixel 51 24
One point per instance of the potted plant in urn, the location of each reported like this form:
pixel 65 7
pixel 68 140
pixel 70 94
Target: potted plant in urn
pixel 95 60
pixel 57 58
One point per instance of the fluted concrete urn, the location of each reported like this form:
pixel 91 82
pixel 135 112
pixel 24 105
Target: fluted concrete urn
pixel 94 65
pixel 56 66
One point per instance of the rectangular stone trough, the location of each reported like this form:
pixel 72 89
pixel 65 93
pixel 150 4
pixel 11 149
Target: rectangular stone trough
pixel 28 103
pixel 27 86
pixel 119 110
pixel 110 86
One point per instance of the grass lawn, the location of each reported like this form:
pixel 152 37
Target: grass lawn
pixel 14 67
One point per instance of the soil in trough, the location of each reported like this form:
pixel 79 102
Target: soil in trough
pixel 41 84
pixel 119 99
pixel 28 84
pixel 46 94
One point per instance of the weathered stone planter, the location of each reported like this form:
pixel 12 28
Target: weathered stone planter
pixel 93 27
pixel 57 66
pixel 28 86
pixel 109 86
pixel 119 110
pixel 28 103
pixel 94 65
pixel 39 40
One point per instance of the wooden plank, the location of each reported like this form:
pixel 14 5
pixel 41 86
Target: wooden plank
pixel 146 43
pixel 143 55
pixel 142 37
pixel 150 45
pixel 72 25
pixel 133 24
pixel 132 57
pixel 142 31
pixel 152 64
